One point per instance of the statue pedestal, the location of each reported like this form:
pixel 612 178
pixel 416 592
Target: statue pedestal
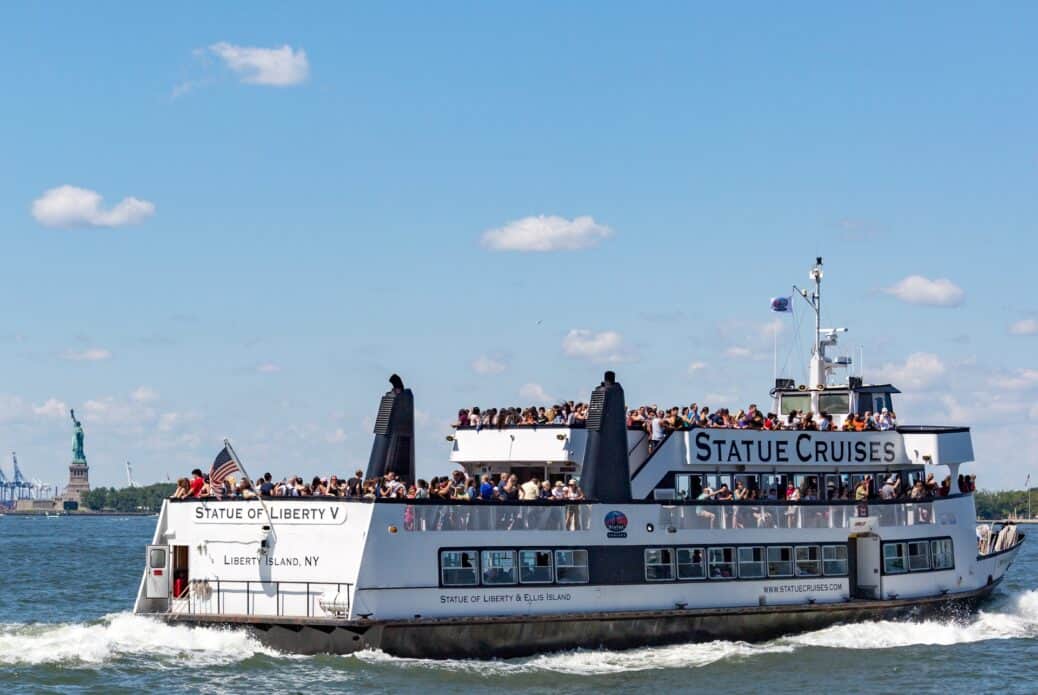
pixel 78 480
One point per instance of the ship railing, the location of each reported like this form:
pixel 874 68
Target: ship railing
pixel 264 598
pixel 497 517
pixel 796 516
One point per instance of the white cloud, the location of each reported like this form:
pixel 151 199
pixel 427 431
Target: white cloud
pixel 696 367
pixel 336 437
pixel 276 67
pixel 535 393
pixel 1024 327
pixel 916 289
pixel 51 408
pixel 70 206
pixel 919 371
pixel 488 365
pixel 738 351
pixel 167 421
pixel 604 346
pixel 144 394
pixel 546 233
pixel 268 368
pixel 88 355
pixel 1020 380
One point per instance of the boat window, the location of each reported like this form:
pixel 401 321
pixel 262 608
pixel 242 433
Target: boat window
pixel 751 562
pixel 837 486
pixel 808 484
pixel 807 564
pixel 458 568
pixel 688 486
pixel 834 403
pixel 722 563
pixel 834 560
pixel 796 401
pixel 943 556
pixel 780 561
pixel 659 564
pixel 571 566
pixel 157 558
pixel 535 567
pixel 895 559
pixel 498 567
pixel 918 556
pixel 691 564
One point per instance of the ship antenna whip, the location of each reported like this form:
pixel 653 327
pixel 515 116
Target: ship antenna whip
pixel 237 461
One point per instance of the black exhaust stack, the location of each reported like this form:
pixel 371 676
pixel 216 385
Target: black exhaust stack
pixel 605 475
pixel 393 448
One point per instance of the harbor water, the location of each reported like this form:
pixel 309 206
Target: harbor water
pixel 67 586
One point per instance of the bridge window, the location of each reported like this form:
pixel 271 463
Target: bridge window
pixel 458 568
pixel 780 561
pixel 722 563
pixel 751 562
pixel 535 567
pixel 834 560
pixel 895 558
pixel 834 403
pixel 942 553
pixel 795 401
pixel 691 564
pixel 571 567
pixel 659 564
pixel 918 556
pixel 807 561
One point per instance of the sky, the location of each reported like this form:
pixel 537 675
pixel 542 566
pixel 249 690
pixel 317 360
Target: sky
pixel 238 221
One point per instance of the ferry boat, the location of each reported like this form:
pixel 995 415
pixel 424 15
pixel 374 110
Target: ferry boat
pixel 641 561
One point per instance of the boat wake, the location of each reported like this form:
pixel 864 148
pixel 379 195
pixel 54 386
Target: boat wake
pixel 123 635
pixel 1018 619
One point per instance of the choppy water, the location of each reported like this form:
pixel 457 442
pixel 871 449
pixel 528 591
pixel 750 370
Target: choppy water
pixel 67 585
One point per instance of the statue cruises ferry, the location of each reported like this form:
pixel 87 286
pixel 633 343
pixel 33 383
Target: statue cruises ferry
pixel 646 557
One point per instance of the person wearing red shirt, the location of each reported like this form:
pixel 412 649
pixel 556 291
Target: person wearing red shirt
pixel 197 482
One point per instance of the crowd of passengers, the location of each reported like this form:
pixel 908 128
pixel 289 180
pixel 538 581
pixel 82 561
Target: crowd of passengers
pixel 658 422
pixel 868 488
pixel 503 487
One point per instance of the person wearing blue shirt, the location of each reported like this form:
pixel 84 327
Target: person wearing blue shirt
pixel 486 490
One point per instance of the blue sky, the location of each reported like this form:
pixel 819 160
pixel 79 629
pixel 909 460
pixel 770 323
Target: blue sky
pixel 312 188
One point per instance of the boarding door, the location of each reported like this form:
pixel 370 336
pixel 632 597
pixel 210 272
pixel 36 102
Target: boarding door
pixel 157 583
pixel 867 579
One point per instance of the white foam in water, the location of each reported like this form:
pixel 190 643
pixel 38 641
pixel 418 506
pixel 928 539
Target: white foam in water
pixel 120 635
pixel 1020 620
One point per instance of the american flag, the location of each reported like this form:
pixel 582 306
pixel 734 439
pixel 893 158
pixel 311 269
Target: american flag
pixel 223 466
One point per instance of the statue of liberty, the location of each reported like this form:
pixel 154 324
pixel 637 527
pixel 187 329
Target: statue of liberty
pixel 77 440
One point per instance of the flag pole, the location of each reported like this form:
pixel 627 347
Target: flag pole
pixel 245 473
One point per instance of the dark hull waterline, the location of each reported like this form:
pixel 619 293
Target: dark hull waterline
pixel 514 636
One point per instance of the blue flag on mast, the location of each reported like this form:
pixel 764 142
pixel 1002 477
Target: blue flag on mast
pixel 782 304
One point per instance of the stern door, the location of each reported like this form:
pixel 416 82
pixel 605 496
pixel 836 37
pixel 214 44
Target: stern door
pixel 866 560
pixel 157 583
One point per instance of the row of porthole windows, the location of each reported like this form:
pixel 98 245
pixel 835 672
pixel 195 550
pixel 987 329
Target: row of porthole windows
pixel 918 556
pixel 745 562
pixel 500 568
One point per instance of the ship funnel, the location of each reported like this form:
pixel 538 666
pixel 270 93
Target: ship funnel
pixel 393 448
pixel 605 476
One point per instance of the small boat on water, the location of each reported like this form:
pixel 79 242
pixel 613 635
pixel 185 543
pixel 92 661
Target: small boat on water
pixel 649 556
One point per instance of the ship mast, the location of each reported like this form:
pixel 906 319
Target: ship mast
pixel 814 299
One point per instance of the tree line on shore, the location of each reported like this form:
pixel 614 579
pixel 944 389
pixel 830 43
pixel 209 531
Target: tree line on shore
pixel 128 499
pixel 1002 504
